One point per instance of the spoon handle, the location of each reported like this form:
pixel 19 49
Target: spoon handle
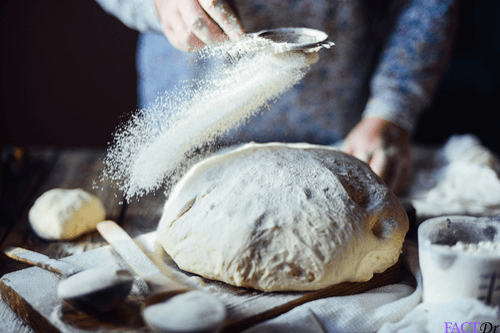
pixel 144 267
pixel 41 260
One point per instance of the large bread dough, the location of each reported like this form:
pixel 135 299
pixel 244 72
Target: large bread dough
pixel 65 213
pixel 278 217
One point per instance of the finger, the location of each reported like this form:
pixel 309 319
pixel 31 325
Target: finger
pixel 176 30
pixel 224 16
pixel 347 148
pixel 200 24
pixel 194 43
pixel 364 156
pixel 360 154
pixel 182 39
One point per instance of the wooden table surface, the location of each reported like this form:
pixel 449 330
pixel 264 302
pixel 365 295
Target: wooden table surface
pixel 43 169
pixel 39 169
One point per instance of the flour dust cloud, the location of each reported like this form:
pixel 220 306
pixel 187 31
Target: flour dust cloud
pixel 152 148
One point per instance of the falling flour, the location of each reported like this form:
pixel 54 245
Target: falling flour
pixel 157 143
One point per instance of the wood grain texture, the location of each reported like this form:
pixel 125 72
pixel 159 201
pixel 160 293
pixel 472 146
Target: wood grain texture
pixel 24 309
pixel 10 322
pixel 32 295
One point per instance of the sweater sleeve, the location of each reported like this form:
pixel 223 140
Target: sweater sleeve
pixel 140 15
pixel 413 61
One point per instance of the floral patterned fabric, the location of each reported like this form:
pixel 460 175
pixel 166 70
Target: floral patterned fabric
pixel 387 62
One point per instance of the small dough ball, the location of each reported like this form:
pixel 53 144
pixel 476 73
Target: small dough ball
pixel 65 214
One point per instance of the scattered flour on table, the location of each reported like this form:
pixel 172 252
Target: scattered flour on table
pixel 462 178
pixel 150 149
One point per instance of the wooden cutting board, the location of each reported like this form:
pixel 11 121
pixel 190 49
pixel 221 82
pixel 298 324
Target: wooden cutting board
pixel 31 294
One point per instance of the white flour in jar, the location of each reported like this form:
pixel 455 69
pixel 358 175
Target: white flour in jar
pixel 151 149
pixel 459 258
pixel 483 248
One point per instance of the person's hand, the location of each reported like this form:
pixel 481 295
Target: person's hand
pixel 385 147
pixel 192 24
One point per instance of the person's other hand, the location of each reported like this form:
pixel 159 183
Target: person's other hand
pixel 192 24
pixel 385 147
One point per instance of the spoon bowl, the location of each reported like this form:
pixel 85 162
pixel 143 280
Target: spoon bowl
pixel 96 290
pixel 207 310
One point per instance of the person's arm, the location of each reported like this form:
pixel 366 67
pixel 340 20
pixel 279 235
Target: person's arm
pixel 404 82
pixel 139 15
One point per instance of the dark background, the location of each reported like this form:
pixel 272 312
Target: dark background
pixel 67 74
pixel 468 99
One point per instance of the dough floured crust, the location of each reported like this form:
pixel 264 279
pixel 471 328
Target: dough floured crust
pixel 65 213
pixel 278 217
